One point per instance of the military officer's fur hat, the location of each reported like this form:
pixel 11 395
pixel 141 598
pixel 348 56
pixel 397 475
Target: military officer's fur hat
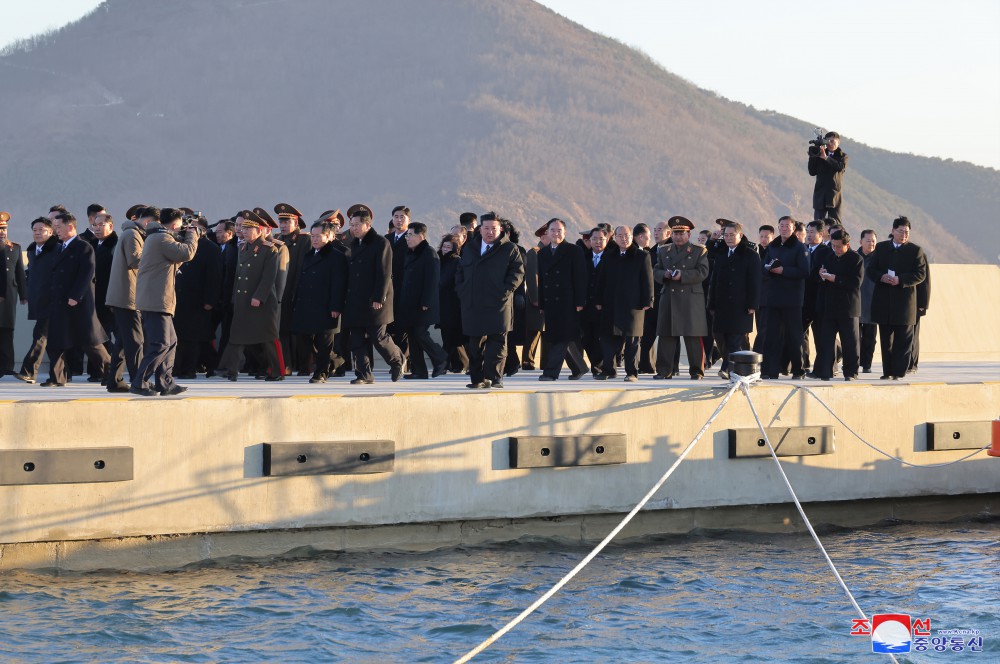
pixel 359 207
pixel 4 218
pixel 134 210
pixel 679 223
pixel 265 218
pixel 288 210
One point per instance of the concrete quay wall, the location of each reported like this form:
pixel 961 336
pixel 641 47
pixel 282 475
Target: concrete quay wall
pixel 198 468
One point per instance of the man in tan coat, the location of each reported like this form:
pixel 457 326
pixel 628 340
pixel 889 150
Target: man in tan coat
pixel 681 267
pixel 156 298
pixel 120 297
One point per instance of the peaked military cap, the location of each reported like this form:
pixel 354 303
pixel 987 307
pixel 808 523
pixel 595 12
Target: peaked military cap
pixel 542 230
pixel 330 215
pixel 134 210
pixel 724 222
pixel 265 218
pixel 679 223
pixel 359 207
pixel 4 218
pixel 251 219
pixel 288 210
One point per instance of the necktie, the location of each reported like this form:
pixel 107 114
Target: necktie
pixel 623 253
pixel 597 259
pixel 38 250
pixel 554 249
pixel 731 252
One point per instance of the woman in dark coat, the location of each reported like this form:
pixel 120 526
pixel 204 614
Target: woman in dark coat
pixel 319 298
pixel 734 293
pixel 450 322
pixel 419 303
pixel 625 293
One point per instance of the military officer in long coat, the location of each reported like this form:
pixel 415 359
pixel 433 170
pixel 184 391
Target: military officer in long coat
pixel 625 293
pixel 681 268
pixel 562 295
pixel 321 290
pixel 283 254
pixel 734 292
pixel 490 271
pixel 14 287
pixel 255 301
pixel 369 307
pixel 296 348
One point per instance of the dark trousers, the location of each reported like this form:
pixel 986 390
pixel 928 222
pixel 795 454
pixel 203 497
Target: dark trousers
pixel 376 335
pixel 454 342
pixel 192 354
pixel 615 345
pixel 784 340
pixel 647 343
pixel 420 343
pixel 760 320
pixel 915 353
pixel 263 356
pixel 826 346
pixel 321 345
pixel 591 345
pixel 666 365
pixel 868 334
pixel 511 363
pixel 33 358
pixel 897 347
pixel 399 337
pixel 297 351
pixel 58 371
pixel 486 357
pixel 128 327
pixel 730 342
pixel 562 350
pixel 6 350
pixel 159 347
pixel 827 213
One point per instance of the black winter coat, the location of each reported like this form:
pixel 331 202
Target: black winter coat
pixel 419 288
pixel 39 275
pixel 486 285
pixel 562 287
pixel 197 283
pixel 829 174
pixel 321 288
pixel 298 246
pixel 369 280
pixel 842 297
pixel 735 289
pixel 896 305
pixel 230 255
pixel 788 288
pixel 450 305
pixel 624 288
pixel 104 253
pixel 73 278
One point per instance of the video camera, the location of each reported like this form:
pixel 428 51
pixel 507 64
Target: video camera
pixel 190 222
pixel 816 143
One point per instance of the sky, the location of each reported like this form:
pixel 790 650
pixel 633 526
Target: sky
pixel 916 76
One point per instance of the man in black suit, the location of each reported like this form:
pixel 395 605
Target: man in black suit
pixel 73 322
pixel 827 163
pixel 229 253
pixel 897 268
pixel 41 258
pixel 840 276
pixel 295 348
pixel 734 292
pixel 397 241
pixel 562 295
pixel 420 305
pixel 624 295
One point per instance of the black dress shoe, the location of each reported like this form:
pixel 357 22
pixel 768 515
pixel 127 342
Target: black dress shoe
pixel 885 377
pixel 94 379
pixel 697 376
pixel 660 376
pixel 496 385
pixel 52 383
pixel 768 377
pixel 274 379
pixel 600 377
pixel 231 377
pixel 25 379
pixel 174 391
pixel 546 379
pixel 396 372
pixel 303 374
pixel 143 391
pixel 318 379
pixel 481 385
pixel 578 376
pixel 188 376
pixel 121 387
pixel 439 371
pixel 362 381
pixel 798 376
pixel 411 376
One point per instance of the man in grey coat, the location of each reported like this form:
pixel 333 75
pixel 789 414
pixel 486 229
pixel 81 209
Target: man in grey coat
pixel 156 298
pixel 490 271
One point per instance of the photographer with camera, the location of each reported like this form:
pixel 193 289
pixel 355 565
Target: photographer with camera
pixel 827 163
pixel 169 242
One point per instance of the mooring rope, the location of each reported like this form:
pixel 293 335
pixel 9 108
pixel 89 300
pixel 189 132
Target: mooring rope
pixel 883 453
pixel 737 382
pixel 802 513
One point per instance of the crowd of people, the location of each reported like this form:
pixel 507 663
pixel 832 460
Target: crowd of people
pixel 167 295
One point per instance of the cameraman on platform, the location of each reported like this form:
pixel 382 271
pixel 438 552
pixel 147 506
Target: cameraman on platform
pixel 172 241
pixel 827 163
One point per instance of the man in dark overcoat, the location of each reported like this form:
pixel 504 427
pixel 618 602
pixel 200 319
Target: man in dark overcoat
pixel 73 319
pixel 827 163
pixel 13 288
pixel 897 267
pixel 785 270
pixel 397 242
pixel 105 240
pixel 255 302
pixel 840 276
pixel 590 318
pixel 41 258
pixel 419 304
pixel 199 296
pixel 490 271
pixel 295 348
pixel 229 251
pixel 321 290
pixel 868 329
pixel 625 293
pixel 534 319
pixel 562 295
pixel 369 306
pixel 681 268
pixel 734 293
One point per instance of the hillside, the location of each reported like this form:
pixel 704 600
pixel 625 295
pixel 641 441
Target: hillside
pixel 445 105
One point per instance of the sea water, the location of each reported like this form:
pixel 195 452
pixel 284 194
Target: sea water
pixel 706 597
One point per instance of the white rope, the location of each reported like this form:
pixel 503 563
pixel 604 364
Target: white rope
pixel 802 513
pixel 886 454
pixel 737 381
